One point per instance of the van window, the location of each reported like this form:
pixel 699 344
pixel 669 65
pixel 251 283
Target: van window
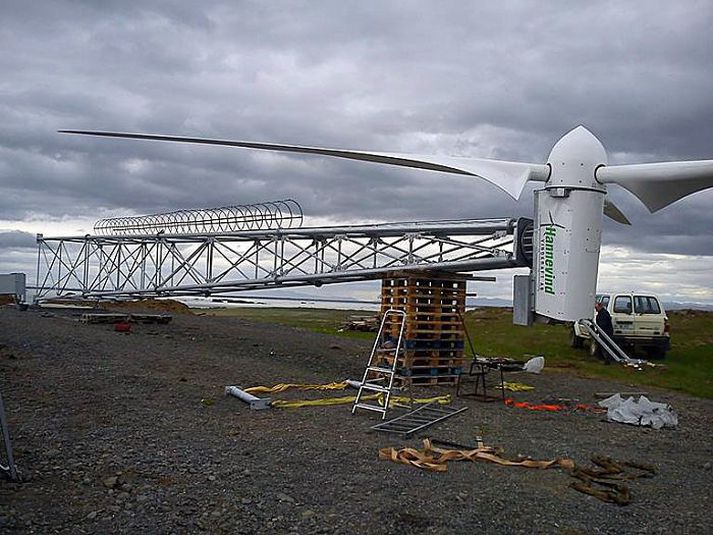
pixel 604 301
pixel 622 304
pixel 646 304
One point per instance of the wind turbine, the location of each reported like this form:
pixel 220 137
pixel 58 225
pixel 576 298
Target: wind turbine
pixel 568 209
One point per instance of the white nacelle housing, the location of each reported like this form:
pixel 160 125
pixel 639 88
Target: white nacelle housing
pixel 568 237
pixel 568 226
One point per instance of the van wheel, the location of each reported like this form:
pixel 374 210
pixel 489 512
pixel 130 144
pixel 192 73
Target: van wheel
pixel 575 341
pixel 593 349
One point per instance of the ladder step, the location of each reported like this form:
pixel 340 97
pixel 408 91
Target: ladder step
pixel 374 388
pixel 377 408
pixel 379 369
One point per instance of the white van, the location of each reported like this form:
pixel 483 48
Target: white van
pixel 639 322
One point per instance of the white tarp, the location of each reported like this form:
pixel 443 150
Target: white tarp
pixel 641 412
pixel 534 365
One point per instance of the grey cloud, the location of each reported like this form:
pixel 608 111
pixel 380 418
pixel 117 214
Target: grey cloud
pixel 17 239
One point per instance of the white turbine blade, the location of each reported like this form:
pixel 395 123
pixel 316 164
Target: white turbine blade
pixel 612 211
pixel 659 184
pixel 508 176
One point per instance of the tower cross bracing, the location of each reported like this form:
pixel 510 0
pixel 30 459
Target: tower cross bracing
pixel 164 264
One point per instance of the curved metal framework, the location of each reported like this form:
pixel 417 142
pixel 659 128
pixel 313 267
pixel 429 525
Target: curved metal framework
pixel 283 214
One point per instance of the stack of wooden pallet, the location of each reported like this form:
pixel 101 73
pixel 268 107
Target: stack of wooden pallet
pixel 433 342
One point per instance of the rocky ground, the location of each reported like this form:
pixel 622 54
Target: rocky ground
pixel 132 433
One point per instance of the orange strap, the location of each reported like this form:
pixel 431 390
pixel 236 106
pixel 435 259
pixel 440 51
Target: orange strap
pixel 551 407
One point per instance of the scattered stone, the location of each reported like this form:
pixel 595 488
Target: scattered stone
pixel 125 415
pixel 284 497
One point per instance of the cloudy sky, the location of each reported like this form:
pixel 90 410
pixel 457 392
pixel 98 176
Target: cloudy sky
pixel 495 80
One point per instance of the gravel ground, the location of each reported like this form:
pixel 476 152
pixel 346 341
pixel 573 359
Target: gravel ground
pixel 131 433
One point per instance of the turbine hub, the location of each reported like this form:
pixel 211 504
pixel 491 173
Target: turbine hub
pixel 574 160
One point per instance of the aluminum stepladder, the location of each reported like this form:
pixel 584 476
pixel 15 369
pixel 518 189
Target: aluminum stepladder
pixel 381 369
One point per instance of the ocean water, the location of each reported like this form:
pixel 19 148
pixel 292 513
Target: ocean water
pixel 261 302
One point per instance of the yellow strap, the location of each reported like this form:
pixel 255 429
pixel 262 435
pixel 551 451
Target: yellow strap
pixel 282 387
pixel 441 400
pixel 294 404
pixel 516 387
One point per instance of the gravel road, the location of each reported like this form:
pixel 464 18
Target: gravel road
pixel 132 433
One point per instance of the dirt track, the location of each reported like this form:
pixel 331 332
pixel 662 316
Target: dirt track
pixel 132 434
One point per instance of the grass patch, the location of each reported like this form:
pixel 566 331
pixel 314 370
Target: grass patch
pixel 321 320
pixel 688 367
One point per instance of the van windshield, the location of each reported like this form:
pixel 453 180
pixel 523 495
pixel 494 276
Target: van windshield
pixel 646 304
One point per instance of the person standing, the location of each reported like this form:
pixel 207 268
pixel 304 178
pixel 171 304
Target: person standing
pixel 604 323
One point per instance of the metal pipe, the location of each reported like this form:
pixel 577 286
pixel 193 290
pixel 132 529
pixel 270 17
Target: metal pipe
pixel 255 402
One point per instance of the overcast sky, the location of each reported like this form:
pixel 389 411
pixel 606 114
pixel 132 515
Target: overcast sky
pixel 495 80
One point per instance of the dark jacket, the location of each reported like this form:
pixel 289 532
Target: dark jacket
pixel 604 321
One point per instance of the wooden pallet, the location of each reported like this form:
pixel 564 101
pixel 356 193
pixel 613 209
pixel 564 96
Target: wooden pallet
pixel 427 380
pixel 434 339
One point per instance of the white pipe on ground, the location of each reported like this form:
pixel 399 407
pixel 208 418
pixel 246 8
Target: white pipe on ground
pixel 255 402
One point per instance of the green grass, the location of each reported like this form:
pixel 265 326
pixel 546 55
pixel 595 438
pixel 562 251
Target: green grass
pixel 320 320
pixel 688 367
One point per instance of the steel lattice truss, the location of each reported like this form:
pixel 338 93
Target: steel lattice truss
pixel 211 263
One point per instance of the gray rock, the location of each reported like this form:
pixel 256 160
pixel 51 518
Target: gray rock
pixel 284 497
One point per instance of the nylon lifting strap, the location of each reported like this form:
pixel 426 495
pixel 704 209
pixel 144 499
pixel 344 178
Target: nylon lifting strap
pixel 341 385
pixel 379 398
pixel 436 459
pixel 283 387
